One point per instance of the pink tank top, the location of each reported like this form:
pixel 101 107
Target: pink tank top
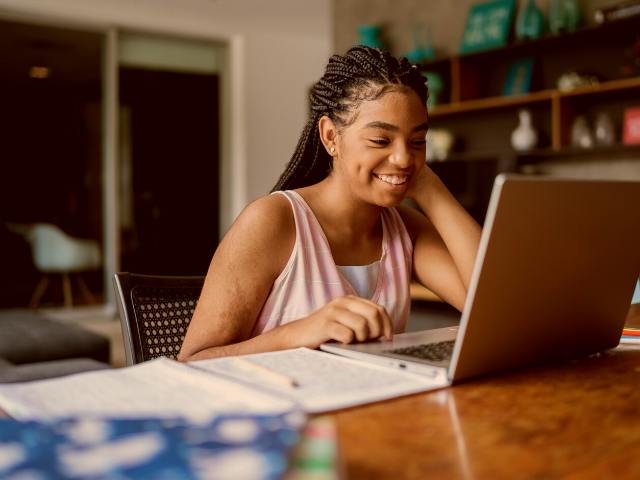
pixel 310 279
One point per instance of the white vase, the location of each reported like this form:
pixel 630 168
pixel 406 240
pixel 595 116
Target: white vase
pixel 604 130
pixel 581 135
pixel 524 137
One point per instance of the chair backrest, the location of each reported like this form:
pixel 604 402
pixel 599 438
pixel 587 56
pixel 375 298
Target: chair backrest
pixel 155 312
pixel 55 251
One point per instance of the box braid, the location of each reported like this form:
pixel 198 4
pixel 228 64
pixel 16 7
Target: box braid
pixel 363 73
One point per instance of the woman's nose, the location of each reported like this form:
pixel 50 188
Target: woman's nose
pixel 401 157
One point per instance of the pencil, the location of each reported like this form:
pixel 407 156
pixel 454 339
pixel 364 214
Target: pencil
pixel 267 373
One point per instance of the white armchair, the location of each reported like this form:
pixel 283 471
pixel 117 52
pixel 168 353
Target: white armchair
pixel 55 252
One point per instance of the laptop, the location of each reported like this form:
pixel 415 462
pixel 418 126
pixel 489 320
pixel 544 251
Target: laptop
pixel 553 279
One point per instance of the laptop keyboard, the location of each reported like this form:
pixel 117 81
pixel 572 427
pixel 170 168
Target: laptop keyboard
pixel 433 352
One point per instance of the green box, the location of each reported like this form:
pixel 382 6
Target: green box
pixel 488 25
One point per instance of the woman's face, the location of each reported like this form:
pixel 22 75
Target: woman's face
pixel 383 150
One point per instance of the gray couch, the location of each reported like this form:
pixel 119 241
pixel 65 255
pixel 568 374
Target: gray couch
pixel 33 347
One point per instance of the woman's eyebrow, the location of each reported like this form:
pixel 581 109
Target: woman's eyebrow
pixel 393 128
pixel 422 126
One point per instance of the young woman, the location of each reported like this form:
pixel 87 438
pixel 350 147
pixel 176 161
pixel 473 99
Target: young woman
pixel 329 255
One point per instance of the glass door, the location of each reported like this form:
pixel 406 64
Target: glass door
pixel 51 224
pixel 169 91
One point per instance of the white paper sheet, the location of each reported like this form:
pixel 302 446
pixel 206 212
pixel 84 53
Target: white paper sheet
pixel 159 388
pixel 325 381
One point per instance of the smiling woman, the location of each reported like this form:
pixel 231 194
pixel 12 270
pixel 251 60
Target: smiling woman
pixel 329 255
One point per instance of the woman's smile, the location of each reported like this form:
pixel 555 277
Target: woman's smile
pixel 392 179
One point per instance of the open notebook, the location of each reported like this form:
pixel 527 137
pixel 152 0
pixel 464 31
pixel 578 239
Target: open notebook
pixel 204 389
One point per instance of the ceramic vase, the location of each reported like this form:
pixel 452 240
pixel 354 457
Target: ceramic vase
pixel 530 22
pixel 524 137
pixel 423 45
pixel 439 143
pixel 435 84
pixel 564 15
pixel 604 130
pixel 370 36
pixel 581 135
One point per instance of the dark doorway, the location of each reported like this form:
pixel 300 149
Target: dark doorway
pixel 51 173
pixel 174 149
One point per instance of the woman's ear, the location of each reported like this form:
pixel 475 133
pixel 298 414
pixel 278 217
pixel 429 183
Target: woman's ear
pixel 328 135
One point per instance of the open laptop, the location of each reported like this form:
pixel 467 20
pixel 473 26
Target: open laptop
pixel 553 279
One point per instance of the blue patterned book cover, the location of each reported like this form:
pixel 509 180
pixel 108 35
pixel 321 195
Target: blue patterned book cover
pixel 230 446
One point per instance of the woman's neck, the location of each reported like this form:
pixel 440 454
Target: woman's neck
pixel 337 208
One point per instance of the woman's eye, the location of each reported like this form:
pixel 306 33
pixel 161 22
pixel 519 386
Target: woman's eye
pixel 379 141
pixel 419 143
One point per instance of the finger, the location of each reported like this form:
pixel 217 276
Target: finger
pixel 357 323
pixel 387 323
pixel 340 333
pixel 379 321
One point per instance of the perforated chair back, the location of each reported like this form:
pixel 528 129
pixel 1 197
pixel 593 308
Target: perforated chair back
pixel 155 312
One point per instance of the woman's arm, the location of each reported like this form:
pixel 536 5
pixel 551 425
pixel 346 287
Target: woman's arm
pixel 240 277
pixel 242 270
pixel 446 240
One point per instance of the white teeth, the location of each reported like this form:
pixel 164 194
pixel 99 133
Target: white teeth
pixel 393 179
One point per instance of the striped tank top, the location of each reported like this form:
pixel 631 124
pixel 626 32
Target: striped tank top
pixel 311 279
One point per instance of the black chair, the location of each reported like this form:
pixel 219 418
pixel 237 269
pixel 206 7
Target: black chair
pixel 155 312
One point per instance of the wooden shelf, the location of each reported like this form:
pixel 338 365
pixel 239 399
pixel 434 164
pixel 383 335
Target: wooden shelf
pixel 540 96
pixel 543 155
pixel 489 103
pixel 604 87
pixel 578 154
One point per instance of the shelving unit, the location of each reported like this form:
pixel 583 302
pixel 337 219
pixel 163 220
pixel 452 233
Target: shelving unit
pixel 481 119
pixel 474 84
pixel 555 99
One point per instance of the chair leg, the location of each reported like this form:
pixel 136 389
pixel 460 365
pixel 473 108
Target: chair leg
pixel 84 290
pixel 36 296
pixel 66 290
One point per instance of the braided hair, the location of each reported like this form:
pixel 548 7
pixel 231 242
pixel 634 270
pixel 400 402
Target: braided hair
pixel 363 73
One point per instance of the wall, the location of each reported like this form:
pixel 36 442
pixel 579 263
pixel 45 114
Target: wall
pixel 445 18
pixel 277 50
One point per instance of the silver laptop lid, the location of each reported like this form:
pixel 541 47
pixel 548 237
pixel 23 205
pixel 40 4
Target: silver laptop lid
pixel 554 274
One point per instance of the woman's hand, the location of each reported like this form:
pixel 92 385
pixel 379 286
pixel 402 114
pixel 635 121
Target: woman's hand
pixel 345 320
pixel 424 182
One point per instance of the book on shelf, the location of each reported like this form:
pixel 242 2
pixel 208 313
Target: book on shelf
pixel 631 331
pixel 634 339
pixel 630 335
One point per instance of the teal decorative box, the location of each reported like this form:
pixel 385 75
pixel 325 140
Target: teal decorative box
pixel 488 25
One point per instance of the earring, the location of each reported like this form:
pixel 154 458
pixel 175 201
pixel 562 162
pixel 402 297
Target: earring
pixel 332 149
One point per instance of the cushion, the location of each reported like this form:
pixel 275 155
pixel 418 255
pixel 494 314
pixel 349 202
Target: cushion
pixel 27 337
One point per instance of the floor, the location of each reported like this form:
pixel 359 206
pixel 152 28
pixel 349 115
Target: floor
pixel 424 316
pixel 97 319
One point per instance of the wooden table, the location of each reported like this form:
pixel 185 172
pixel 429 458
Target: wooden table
pixel 574 420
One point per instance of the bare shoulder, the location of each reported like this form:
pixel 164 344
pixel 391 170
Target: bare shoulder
pixel 269 214
pixel 265 229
